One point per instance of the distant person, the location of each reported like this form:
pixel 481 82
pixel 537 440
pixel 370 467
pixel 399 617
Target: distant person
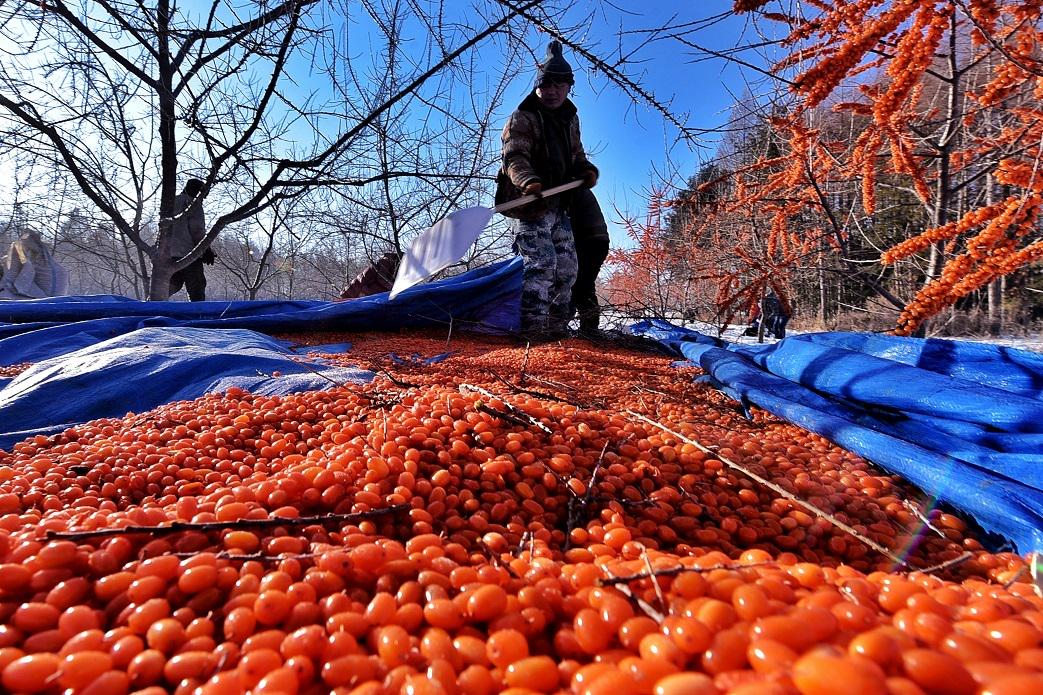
pixel 30 271
pixel 542 149
pixel 755 317
pixel 782 317
pixel 775 315
pixel 375 278
pixel 188 229
pixel 591 236
pixel 770 306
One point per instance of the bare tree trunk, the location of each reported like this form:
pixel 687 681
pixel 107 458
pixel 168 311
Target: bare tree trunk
pixel 821 292
pixel 760 324
pixel 159 283
pixel 995 289
pixel 1003 307
pixel 996 306
pixel 943 147
pixel 943 198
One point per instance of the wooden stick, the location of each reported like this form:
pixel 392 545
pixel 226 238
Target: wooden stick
pixel 526 199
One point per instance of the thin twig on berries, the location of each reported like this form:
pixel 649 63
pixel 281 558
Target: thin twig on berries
pixel 271 522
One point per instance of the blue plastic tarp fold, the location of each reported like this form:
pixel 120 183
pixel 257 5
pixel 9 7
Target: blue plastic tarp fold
pixel 150 367
pixel 963 421
pixel 105 356
pixel 484 299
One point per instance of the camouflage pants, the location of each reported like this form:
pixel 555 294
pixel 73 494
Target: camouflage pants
pixel 546 246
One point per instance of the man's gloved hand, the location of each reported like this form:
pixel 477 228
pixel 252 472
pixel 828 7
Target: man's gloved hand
pixel 534 188
pixel 208 257
pixel 590 178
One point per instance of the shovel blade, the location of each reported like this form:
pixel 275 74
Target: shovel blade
pixel 444 243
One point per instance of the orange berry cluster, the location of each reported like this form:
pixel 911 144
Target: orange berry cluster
pixel 496 522
pixel 901 136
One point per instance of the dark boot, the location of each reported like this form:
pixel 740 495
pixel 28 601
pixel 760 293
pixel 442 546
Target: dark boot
pixel 590 320
pixel 590 330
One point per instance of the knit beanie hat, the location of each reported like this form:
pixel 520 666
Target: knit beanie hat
pixel 554 68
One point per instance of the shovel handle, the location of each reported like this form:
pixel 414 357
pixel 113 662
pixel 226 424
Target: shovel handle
pixel 526 199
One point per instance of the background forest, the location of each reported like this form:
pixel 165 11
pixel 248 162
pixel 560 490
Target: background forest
pixel 891 182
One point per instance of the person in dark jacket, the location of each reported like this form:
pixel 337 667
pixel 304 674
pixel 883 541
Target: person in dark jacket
pixel 781 319
pixel 375 278
pixel 591 235
pixel 189 228
pixel 755 318
pixel 542 149
pixel 775 315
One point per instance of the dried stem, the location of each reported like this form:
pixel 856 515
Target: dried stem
pixel 483 408
pixel 655 582
pixel 680 569
pixel 559 478
pixel 257 557
pixel 1014 580
pixel 552 383
pixel 779 491
pixel 397 382
pixel 304 363
pixel 529 419
pixel 524 366
pixel 958 560
pixel 626 591
pixel 594 476
pixel 180 526
pixel 922 517
pixel 641 387
pixel 529 392
pixel 1034 572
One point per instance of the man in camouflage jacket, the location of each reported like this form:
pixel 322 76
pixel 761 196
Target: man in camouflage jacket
pixel 542 149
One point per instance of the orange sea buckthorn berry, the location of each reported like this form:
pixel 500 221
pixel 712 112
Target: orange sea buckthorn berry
pixel 504 647
pixel 819 674
pixel 686 684
pixel 538 673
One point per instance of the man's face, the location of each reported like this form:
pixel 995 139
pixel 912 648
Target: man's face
pixel 552 94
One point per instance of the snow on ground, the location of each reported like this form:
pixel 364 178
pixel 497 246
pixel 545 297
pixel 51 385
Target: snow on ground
pixel 1033 343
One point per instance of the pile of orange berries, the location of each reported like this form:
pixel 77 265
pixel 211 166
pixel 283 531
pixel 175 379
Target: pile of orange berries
pixel 495 522
pixel 13 370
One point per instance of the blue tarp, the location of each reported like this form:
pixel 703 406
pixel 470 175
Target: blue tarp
pixel 104 356
pixel 152 366
pixel 487 299
pixel 963 421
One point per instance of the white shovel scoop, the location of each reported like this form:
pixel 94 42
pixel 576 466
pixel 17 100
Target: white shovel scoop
pixel 447 241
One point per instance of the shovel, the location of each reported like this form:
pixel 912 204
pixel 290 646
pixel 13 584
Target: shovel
pixel 447 241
